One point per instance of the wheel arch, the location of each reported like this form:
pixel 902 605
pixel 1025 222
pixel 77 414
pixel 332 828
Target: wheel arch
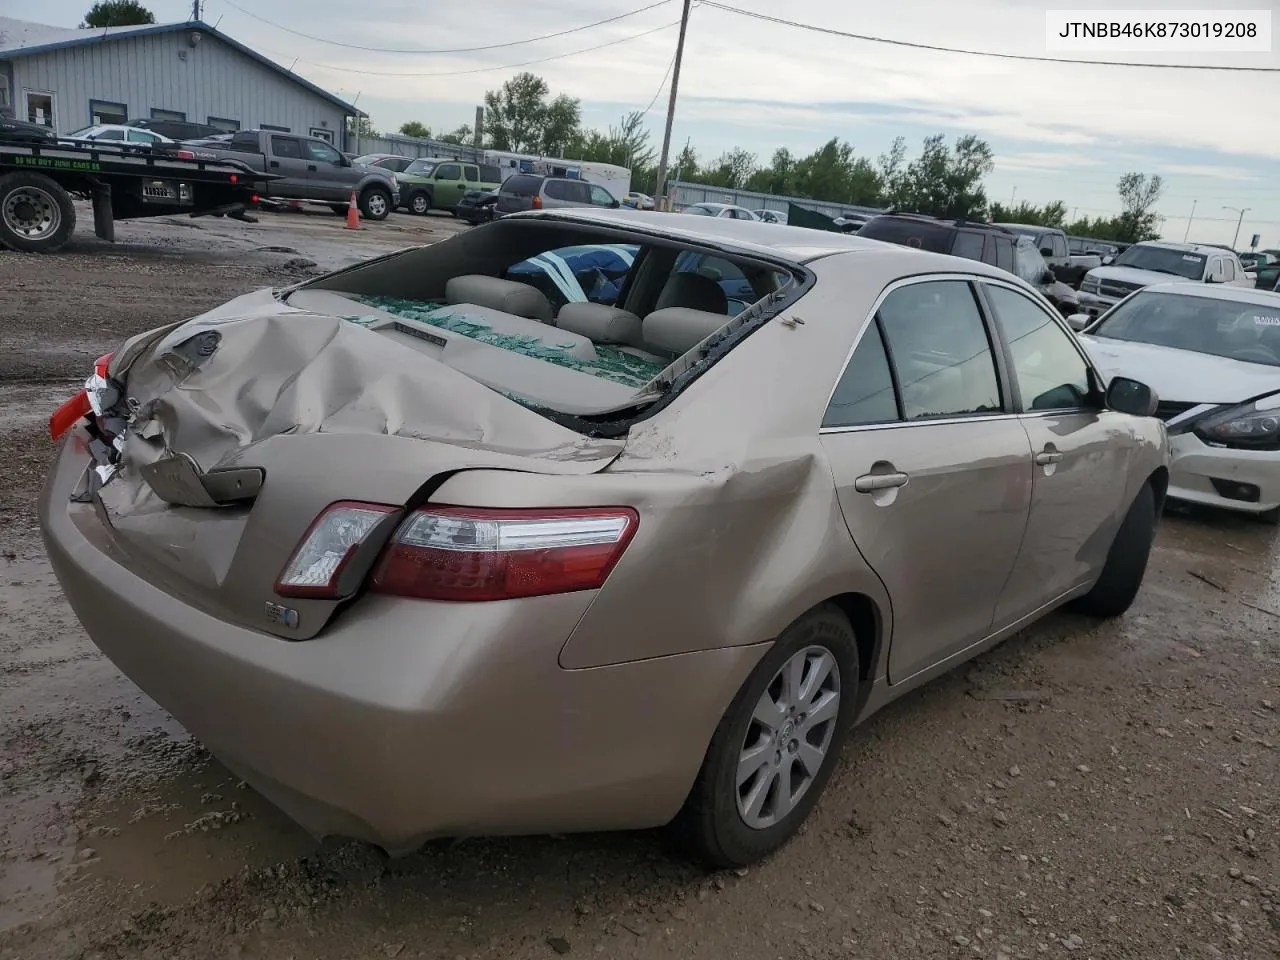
pixel 1159 483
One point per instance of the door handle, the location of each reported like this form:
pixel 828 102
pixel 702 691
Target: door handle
pixel 275 163
pixel 871 482
pixel 1046 457
pixel 311 167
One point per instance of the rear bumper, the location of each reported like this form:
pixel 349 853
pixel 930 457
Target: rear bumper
pixel 405 720
pixel 1195 466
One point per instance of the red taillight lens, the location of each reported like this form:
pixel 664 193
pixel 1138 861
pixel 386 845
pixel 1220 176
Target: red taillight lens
pixel 315 569
pixel 468 553
pixel 537 202
pixel 78 407
pixel 186 155
pixel 68 415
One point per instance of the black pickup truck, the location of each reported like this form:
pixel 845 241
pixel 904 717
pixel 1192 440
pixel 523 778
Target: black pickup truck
pixel 40 175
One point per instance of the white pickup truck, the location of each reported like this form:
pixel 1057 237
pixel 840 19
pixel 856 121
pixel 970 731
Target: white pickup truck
pixel 1155 261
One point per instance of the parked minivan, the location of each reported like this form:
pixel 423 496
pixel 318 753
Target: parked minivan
pixel 526 191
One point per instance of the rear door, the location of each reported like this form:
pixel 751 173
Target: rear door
pixel 932 468
pixel 286 159
pixel 1079 452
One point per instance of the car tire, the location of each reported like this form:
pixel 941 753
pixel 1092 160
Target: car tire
pixel 713 825
pixel 1126 564
pixel 420 203
pixel 375 204
pixel 31 201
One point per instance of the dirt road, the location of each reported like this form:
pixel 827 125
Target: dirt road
pixel 1088 791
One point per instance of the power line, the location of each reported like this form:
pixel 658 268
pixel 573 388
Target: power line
pixel 492 46
pixel 505 66
pixel 661 86
pixel 972 53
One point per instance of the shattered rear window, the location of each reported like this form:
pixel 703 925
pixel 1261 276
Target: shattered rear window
pixel 610 363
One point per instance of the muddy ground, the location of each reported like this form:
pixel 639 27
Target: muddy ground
pixel 1094 791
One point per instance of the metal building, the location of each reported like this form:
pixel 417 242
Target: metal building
pixel 68 79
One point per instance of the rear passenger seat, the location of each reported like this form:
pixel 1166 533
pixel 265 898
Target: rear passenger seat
pixel 672 331
pixel 505 295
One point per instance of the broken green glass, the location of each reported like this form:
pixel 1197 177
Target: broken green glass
pixel 610 363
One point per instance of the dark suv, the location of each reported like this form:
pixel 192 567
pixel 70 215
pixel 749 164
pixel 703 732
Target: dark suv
pixel 526 191
pixel 987 242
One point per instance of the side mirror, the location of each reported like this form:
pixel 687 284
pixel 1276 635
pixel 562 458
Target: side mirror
pixel 1108 260
pixel 1132 397
pixel 1078 321
pixel 1046 252
pixel 615 205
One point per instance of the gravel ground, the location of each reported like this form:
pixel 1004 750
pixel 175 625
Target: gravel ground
pixel 1088 791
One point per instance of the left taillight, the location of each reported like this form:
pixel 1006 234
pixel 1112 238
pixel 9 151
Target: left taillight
pixel 78 407
pixel 324 555
pixel 473 554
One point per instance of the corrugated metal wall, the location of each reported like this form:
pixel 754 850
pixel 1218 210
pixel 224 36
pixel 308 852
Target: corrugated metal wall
pixel 686 194
pixel 210 79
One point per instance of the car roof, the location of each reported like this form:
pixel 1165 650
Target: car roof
pixel 1214 291
pixel 797 245
pixel 1034 227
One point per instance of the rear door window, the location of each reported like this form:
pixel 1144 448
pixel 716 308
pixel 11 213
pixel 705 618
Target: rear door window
pixel 560 190
pixel 471 172
pixel 938 345
pixel 968 245
pixel 286 147
pixel 864 394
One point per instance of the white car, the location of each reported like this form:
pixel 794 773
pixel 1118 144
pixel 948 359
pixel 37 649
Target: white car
pixel 1212 355
pixel 726 210
pixel 1156 261
pixel 117 133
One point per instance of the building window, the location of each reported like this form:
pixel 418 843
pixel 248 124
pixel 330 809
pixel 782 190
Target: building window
pixel 322 134
pixel 277 129
pixel 105 111
pixel 39 107
pixel 225 125
pixel 158 114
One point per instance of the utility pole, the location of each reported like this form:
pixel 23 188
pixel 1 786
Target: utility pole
pixel 671 107
pixel 1242 212
pixel 195 9
pixel 1014 197
pixel 1187 233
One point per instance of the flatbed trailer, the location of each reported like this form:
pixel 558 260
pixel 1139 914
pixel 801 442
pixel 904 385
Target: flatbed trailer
pixel 38 181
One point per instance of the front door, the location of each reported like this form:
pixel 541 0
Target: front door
pixel 1079 452
pixel 286 159
pixel 448 185
pixel 932 469
pixel 329 179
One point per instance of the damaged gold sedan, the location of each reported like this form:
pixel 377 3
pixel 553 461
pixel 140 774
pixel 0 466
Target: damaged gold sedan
pixel 590 520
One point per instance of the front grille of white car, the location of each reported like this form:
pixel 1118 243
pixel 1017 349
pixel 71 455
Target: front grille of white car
pixel 1118 289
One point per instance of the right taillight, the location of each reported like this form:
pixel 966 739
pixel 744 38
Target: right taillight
pixel 537 202
pixel 474 554
pixel 334 538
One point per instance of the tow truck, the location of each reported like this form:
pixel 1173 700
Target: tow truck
pixel 41 175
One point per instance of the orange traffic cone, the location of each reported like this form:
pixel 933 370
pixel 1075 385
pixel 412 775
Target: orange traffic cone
pixel 353 213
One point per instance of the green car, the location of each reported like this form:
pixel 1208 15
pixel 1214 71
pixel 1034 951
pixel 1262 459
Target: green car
pixel 439 184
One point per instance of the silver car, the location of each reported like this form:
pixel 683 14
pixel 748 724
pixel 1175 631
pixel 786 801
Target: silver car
pixel 526 191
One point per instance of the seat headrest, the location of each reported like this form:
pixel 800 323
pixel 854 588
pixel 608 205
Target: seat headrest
pixel 677 330
pixel 505 295
pixel 601 323
pixel 695 292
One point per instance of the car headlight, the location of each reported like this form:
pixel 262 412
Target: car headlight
pixel 1253 425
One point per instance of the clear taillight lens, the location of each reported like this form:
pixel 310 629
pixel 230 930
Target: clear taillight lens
pixel 335 536
pixel 472 554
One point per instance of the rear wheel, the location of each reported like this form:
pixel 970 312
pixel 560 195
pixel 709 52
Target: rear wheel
pixel 375 204
pixel 777 745
pixel 36 214
pixel 1126 564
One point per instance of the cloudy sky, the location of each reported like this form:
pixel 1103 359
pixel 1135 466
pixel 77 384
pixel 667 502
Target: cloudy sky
pixel 1058 131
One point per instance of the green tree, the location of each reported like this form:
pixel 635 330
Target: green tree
pixel 777 178
pixel 361 127
pixel 117 13
pixel 940 182
pixel 731 169
pixel 519 117
pixel 415 129
pixel 832 173
pixel 464 135
pixel 1138 196
pixel 685 166
pixel 1050 215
